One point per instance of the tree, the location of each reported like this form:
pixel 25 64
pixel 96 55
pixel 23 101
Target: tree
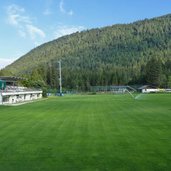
pixel 169 82
pixel 115 55
pixel 153 72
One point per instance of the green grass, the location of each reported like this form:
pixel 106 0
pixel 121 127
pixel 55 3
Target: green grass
pixel 87 133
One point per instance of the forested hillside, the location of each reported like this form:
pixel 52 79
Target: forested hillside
pixel 115 55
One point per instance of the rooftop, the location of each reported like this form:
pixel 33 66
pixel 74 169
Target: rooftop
pixel 11 78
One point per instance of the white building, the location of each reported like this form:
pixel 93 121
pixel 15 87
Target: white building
pixel 14 94
pixel 152 89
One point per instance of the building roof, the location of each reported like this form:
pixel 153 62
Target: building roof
pixel 146 86
pixel 11 78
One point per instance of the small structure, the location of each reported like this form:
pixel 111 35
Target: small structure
pixel 150 89
pixel 11 93
pixel 113 89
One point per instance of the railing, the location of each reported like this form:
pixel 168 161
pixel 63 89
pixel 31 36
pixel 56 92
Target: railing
pixel 18 89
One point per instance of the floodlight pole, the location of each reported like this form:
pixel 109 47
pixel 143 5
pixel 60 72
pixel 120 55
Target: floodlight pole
pixel 60 78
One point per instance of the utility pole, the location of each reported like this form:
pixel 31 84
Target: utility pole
pixel 60 79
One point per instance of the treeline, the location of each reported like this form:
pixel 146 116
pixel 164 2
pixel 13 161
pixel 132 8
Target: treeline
pixel 155 72
pixel 115 55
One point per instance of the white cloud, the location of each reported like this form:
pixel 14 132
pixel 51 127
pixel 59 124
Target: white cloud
pixel 63 10
pixel 35 31
pixel 12 19
pixel 17 17
pixel 63 30
pixel 5 62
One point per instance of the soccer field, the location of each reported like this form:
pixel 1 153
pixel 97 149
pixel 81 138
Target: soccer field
pixel 87 133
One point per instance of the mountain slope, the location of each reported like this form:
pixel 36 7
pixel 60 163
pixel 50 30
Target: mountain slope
pixel 110 55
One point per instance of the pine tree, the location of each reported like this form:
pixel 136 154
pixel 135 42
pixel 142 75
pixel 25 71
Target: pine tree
pixel 169 82
pixel 153 72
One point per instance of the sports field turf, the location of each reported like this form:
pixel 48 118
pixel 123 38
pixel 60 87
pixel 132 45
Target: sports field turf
pixel 87 133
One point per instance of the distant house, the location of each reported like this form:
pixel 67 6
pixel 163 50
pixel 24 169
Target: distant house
pixel 11 93
pixel 149 89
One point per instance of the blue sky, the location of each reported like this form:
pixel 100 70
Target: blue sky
pixel 25 24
